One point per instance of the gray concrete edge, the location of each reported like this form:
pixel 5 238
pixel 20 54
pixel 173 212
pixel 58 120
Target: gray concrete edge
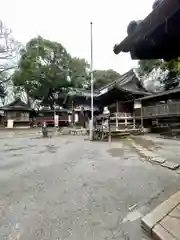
pixel 149 221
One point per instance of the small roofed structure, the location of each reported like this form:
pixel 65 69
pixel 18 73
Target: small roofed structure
pixel 78 96
pixel 157 36
pixel 78 102
pixel 17 114
pixel 47 115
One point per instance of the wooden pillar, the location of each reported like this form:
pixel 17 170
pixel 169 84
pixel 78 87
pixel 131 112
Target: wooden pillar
pixel 72 113
pixel 125 120
pixel 134 121
pixel 117 111
pixel 142 122
pixel 117 124
pixel 109 137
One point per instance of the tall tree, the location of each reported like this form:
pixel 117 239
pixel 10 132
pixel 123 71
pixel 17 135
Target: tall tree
pixel 80 74
pixel 43 71
pixel 79 69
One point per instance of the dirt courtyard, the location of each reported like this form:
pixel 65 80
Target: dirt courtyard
pixel 66 187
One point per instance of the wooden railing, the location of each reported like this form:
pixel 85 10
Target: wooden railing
pixel 172 108
pixel 121 115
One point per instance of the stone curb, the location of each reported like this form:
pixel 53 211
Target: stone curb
pixel 159 233
pixel 154 158
pixel 170 137
pixel 150 222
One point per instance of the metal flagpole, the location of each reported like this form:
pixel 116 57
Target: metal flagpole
pixel 92 89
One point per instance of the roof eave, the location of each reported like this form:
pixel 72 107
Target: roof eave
pixel 160 94
pixel 15 109
pixel 151 22
pixel 134 91
pixel 115 82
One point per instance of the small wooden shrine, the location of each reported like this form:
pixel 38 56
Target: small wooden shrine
pixel 157 36
pixel 17 114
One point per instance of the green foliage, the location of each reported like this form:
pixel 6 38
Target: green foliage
pixel 81 78
pixel 146 66
pixel 173 67
pixel 79 72
pixel 4 78
pixel 43 70
pixel 2 92
pixel 103 77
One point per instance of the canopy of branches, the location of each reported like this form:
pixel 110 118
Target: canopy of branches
pixel 46 69
pixel 43 70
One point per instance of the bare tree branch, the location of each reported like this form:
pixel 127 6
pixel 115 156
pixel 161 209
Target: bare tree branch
pixel 6 80
pixel 6 69
pixel 9 50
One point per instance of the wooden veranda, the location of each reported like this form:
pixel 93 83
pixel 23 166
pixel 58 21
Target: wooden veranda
pixel 170 109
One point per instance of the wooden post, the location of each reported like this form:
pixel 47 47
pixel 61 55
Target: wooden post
pixel 117 124
pixel 109 129
pixel 72 113
pixel 134 121
pixel 142 123
pixel 125 121
pixel 117 110
pixel 102 130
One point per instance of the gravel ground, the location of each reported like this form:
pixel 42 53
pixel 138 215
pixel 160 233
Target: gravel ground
pixel 66 187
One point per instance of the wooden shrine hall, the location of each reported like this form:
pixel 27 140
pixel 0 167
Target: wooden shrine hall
pixel 158 112
pixel 125 88
pixel 119 97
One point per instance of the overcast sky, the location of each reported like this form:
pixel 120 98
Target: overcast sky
pixel 68 22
